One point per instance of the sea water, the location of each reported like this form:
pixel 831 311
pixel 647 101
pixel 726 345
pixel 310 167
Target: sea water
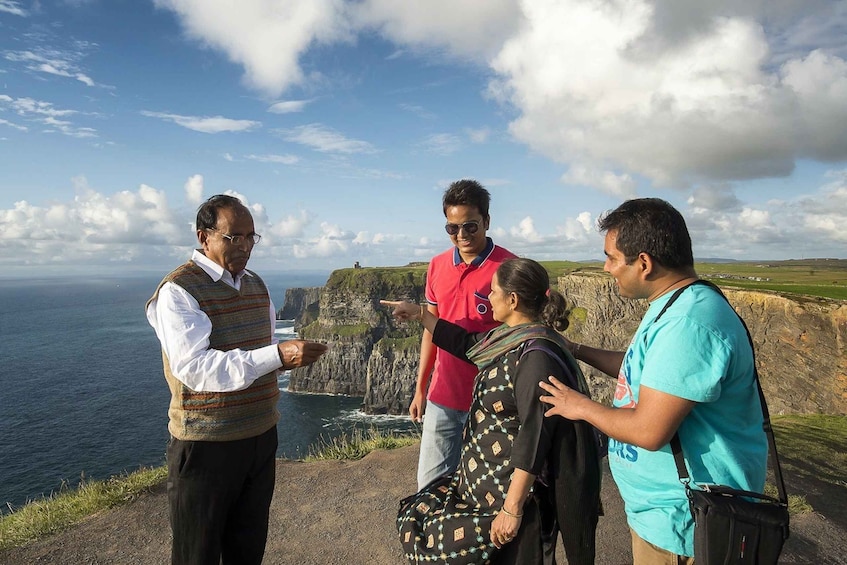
pixel 82 392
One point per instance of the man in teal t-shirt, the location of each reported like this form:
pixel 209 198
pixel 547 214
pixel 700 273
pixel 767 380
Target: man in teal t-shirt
pixel 690 371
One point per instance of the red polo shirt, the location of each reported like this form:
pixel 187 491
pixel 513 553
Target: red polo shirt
pixel 460 292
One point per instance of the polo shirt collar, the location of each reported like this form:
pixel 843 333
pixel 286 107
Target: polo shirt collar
pixel 477 261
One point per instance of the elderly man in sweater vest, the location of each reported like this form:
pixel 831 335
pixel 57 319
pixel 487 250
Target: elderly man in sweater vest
pixel 215 321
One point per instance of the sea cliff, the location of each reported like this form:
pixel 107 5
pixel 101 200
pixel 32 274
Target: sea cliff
pixel 370 354
pixel 801 342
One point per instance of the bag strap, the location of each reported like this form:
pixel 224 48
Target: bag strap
pixel 569 372
pixel 676 445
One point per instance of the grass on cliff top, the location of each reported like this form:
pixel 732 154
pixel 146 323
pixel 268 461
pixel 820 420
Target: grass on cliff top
pixel 358 444
pixel 61 510
pixel 380 280
pixel 812 453
pixel 69 506
pixel 824 278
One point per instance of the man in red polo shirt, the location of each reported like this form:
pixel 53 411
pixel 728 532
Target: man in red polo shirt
pixel 458 282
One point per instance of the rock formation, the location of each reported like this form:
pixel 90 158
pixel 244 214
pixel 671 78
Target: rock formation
pixel 370 355
pixel 301 305
pixel 801 342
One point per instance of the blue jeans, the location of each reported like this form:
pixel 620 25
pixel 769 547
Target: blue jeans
pixel 441 442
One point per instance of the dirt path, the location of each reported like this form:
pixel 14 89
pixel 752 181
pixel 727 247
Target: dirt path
pixel 342 512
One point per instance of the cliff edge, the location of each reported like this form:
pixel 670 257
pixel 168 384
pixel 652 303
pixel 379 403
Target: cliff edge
pixel 801 342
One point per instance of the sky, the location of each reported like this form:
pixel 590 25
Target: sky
pixel 340 124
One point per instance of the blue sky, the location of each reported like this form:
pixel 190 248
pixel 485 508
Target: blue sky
pixel 340 123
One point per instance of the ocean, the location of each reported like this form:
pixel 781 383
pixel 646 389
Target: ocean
pixel 82 392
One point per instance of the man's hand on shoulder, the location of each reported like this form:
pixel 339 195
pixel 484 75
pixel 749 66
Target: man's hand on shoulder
pixel 300 353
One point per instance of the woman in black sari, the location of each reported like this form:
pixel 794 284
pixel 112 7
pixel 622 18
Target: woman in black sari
pixel 521 475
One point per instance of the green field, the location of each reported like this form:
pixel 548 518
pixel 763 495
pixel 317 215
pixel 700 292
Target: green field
pixel 825 278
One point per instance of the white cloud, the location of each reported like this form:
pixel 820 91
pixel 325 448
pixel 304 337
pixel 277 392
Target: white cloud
pixel 55 62
pixel 50 69
pixel 144 229
pixel 526 231
pixel 292 226
pixel 418 110
pixel 825 214
pixel 194 189
pixel 288 106
pixel 267 37
pixel 13 125
pixel 215 124
pixel 819 83
pixel 29 107
pixel 620 185
pixel 479 135
pixel 44 113
pixel 12 7
pixel 442 144
pixel 585 221
pixel 473 29
pixel 92 220
pixel 806 226
pixel 67 128
pixel 679 92
pixel 674 91
pixel 333 241
pixel 575 238
pixel 714 197
pixel 325 139
pixel 281 159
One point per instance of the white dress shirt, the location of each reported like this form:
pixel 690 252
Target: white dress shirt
pixel 184 330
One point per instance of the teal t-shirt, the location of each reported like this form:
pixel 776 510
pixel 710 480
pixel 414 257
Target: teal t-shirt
pixel 697 350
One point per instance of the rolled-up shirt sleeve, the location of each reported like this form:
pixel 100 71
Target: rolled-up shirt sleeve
pixel 184 329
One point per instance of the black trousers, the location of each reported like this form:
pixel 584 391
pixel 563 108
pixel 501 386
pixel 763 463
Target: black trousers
pixel 219 493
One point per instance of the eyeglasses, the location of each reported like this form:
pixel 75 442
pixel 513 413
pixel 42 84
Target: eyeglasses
pixel 253 238
pixel 469 227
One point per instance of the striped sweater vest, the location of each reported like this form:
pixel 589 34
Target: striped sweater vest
pixel 240 320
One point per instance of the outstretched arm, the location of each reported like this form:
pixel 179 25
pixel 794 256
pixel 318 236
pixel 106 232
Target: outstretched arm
pixel 409 311
pixel 450 337
pixel 603 360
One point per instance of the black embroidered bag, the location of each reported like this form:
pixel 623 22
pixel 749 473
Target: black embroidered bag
pixel 733 526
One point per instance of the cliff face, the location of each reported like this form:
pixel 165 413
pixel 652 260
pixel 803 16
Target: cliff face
pixel 600 318
pixel 370 355
pixel 801 343
pixel 801 348
pixel 301 305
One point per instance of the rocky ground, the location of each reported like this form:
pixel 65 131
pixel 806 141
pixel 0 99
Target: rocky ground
pixel 342 512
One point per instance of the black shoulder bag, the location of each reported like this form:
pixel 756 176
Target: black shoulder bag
pixel 732 525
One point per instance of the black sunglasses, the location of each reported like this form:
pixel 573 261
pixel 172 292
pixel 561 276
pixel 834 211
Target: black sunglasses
pixel 469 227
